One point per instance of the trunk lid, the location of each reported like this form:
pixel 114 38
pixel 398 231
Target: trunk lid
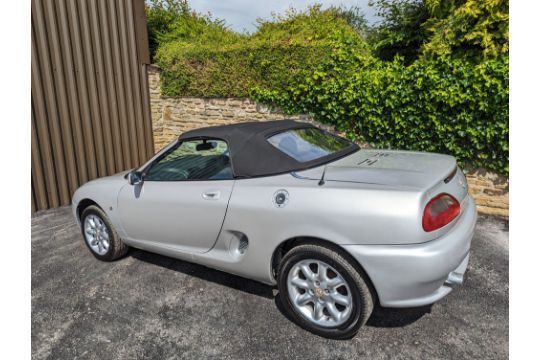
pixel 429 173
pixel 394 168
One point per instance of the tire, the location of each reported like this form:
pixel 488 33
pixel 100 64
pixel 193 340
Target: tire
pixel 347 320
pixel 115 249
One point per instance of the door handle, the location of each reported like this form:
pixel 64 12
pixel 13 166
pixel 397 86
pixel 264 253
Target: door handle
pixel 211 195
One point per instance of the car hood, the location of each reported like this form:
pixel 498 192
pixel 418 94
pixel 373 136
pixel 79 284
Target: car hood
pixel 114 180
pixel 118 177
pixel 410 169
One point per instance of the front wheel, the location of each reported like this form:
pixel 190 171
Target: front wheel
pixel 323 291
pixel 99 235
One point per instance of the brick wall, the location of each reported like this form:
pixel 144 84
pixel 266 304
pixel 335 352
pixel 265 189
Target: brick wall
pixel 173 116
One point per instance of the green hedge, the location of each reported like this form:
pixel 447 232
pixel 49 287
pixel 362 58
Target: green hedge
pixel 213 62
pixel 447 106
pixel 315 63
pixel 231 71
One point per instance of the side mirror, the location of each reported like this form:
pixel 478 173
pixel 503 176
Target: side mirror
pixel 135 177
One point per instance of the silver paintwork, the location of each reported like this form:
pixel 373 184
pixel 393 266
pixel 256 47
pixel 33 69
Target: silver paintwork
pixel 315 292
pixel 421 269
pixel 454 278
pixel 96 234
pixel 370 205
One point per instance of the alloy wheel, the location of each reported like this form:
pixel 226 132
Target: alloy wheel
pixel 96 234
pixel 319 293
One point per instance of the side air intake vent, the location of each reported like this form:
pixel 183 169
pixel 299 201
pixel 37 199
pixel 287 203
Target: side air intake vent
pixel 243 245
pixel 239 244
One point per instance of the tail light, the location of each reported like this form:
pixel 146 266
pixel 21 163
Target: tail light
pixel 439 211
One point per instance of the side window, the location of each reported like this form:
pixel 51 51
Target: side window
pixel 193 160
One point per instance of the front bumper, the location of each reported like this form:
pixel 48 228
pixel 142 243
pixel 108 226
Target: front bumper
pixel 419 274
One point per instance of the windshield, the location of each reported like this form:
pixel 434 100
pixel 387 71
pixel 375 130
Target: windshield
pixel 308 144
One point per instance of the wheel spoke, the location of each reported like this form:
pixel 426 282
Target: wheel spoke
pixel 334 312
pixel 322 271
pixel 300 283
pixel 318 311
pixel 341 299
pixel 304 299
pixel 307 272
pixel 335 282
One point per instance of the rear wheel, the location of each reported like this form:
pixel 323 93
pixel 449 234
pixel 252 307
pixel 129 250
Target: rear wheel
pixel 323 291
pixel 99 235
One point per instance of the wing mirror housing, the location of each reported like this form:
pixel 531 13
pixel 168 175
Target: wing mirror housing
pixel 135 177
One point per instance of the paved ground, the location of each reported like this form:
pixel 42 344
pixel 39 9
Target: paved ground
pixel 150 306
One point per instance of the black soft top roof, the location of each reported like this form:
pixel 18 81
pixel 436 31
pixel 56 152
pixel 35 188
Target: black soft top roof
pixel 251 153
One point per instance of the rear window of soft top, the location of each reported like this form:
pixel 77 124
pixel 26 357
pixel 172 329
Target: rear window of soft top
pixel 308 144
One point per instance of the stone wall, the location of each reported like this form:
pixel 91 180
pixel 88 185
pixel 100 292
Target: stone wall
pixel 490 191
pixel 173 116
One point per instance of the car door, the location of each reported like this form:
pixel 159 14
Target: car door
pixel 183 198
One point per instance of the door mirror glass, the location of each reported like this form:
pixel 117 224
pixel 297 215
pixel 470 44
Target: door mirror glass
pixel 135 177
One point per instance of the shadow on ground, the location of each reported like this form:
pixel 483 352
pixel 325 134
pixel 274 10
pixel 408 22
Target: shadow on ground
pixel 204 273
pixel 381 317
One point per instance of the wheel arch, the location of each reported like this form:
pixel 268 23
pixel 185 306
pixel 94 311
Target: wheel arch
pixel 83 204
pixel 287 245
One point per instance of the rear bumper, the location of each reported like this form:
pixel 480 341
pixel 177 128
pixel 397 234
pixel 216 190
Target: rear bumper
pixel 419 274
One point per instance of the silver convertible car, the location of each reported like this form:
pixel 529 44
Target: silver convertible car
pixel 337 228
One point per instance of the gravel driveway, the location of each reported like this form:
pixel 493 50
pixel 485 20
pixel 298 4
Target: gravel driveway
pixel 151 306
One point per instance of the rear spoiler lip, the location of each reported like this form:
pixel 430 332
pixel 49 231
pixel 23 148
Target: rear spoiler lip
pixel 451 175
